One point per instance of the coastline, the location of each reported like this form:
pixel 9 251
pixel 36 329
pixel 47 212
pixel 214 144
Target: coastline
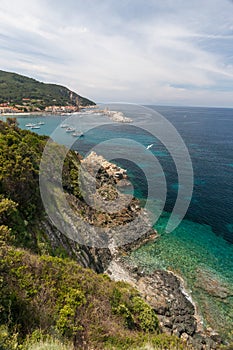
pixel 115 116
pixel 23 114
pixel 138 274
pixel 164 290
pixel 166 293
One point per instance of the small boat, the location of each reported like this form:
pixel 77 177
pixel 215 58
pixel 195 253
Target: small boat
pixel 30 125
pixel 148 147
pixel 41 123
pixel 78 134
pixel 35 127
pixel 69 129
pixel 64 126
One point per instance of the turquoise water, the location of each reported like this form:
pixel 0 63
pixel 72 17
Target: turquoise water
pixel 51 123
pixel 193 250
pixel 200 249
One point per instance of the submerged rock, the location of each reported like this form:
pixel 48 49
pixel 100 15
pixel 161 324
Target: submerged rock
pixel 209 281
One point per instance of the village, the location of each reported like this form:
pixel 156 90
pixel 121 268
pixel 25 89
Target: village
pixel 28 106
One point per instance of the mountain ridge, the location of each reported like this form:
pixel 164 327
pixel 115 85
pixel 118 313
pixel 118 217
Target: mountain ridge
pixel 20 90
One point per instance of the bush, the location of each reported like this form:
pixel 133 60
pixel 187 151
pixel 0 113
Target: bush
pixel 136 312
pixel 147 318
pixel 8 341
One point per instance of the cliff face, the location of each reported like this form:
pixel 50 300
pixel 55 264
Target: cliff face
pixel 108 228
pixel 88 257
pixel 162 290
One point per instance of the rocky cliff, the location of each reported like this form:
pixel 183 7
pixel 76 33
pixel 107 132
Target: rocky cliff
pixel 162 290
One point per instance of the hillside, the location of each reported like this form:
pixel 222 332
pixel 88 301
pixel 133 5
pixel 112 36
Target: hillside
pixel 17 89
pixel 46 296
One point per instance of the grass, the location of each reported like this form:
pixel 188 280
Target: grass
pixel 49 345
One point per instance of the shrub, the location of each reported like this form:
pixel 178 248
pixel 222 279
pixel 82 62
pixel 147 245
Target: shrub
pixel 136 312
pixel 8 341
pixel 147 318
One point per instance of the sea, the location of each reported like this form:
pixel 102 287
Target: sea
pixel 200 249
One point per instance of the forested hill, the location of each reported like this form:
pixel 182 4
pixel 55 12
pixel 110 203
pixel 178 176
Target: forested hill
pixel 19 89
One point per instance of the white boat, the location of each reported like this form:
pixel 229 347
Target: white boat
pixel 148 147
pixel 30 125
pixel 69 129
pixel 35 127
pixel 78 134
pixel 64 125
pixel 41 123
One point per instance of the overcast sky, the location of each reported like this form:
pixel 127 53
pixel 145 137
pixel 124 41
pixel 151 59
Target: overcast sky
pixel 155 52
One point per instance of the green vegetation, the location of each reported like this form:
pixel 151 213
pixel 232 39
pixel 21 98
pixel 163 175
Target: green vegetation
pixel 18 90
pixel 48 301
pixel 59 297
pixel 21 209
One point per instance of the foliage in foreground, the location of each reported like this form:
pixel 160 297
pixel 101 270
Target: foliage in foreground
pixel 48 302
pixel 55 296
pixel 21 209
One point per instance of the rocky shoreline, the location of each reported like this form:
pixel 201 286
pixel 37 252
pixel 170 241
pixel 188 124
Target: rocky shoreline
pixel 165 293
pixel 163 290
pixel 116 116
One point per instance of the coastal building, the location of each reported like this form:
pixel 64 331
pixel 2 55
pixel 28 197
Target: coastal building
pixel 8 109
pixel 62 109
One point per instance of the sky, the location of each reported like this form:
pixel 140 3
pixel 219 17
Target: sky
pixel 161 52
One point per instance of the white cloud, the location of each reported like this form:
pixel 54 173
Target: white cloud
pixel 108 51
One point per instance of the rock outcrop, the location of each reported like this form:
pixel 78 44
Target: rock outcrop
pixel 95 258
pixel 162 289
pixel 175 310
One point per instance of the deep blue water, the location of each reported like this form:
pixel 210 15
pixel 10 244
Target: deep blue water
pixel 202 245
pixel 208 134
